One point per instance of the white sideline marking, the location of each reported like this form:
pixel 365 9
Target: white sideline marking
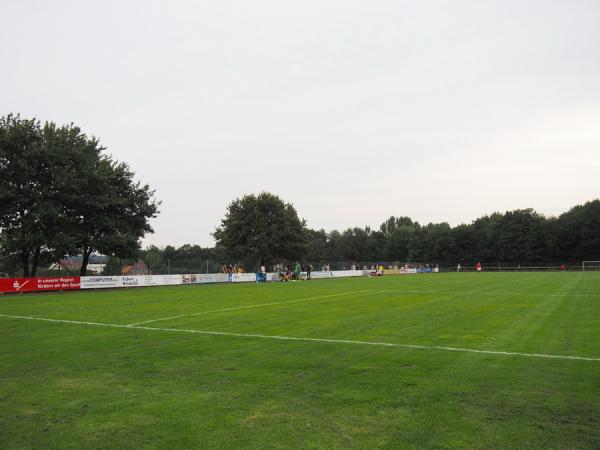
pixel 541 294
pixel 291 338
pixel 247 307
pixel 448 291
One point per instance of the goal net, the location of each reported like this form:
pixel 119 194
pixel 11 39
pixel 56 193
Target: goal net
pixel 589 266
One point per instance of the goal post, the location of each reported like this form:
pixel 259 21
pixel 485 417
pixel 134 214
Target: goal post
pixel 590 266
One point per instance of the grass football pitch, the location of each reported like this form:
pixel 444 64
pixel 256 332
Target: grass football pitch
pixel 506 360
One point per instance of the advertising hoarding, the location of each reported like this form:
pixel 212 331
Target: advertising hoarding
pixel 101 282
pixel 39 284
pixel 14 285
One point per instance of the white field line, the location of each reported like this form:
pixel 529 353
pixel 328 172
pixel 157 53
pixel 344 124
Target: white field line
pixel 541 294
pixel 235 308
pixel 303 339
pixel 445 292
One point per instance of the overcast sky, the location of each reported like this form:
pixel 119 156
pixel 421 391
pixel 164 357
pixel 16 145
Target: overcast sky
pixel 351 110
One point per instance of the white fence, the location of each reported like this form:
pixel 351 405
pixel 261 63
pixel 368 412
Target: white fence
pixel 203 278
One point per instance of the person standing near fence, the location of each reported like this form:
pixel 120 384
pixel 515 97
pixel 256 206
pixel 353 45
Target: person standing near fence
pixel 297 270
pixel 458 268
pixel 307 268
pixel 262 273
pixel 478 266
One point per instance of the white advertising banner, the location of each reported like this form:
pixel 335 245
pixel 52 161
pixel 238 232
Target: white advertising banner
pixel 164 280
pixel 134 281
pixel 152 280
pixel 101 282
pixel 345 273
pixel 220 277
pixel 189 279
pixel 272 276
pixel 129 281
pixel 209 278
pixel 321 274
pixel 244 277
pixel 170 280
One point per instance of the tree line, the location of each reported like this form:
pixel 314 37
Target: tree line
pixel 264 229
pixel 60 194
pixel 514 237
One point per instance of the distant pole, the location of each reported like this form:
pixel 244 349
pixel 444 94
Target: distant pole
pixel 207 266
pixel 168 267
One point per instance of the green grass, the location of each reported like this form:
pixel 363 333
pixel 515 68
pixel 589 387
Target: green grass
pixel 69 385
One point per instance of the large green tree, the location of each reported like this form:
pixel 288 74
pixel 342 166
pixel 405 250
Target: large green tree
pixel 59 194
pixel 27 175
pixel 317 245
pixel 262 228
pixel 579 232
pixel 398 232
pixel 113 215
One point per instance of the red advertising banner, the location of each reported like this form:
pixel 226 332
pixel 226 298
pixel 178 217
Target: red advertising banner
pixel 39 284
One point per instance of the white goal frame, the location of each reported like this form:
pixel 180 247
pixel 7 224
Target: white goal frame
pixel 583 263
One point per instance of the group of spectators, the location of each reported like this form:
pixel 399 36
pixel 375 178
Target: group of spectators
pixel 292 272
pixel 232 268
pixel 377 270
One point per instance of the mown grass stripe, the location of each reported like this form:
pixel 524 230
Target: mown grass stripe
pixel 305 339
